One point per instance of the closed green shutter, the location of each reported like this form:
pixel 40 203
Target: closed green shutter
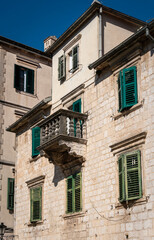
pixel 78 191
pixel 121 179
pixel 70 190
pixel 35 140
pixel 30 81
pixel 75 58
pixel 10 194
pixel 130 86
pixel 74 191
pixel 133 176
pixel 130 177
pixel 36 204
pixel 17 77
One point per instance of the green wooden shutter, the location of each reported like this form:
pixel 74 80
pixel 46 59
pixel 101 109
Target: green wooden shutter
pixel 70 194
pixel 61 67
pixel 17 77
pixel 36 204
pixel 76 108
pixel 35 140
pixel 75 58
pixel 30 81
pixel 121 179
pixel 120 91
pixel 78 192
pixel 129 87
pixel 10 194
pixel 133 176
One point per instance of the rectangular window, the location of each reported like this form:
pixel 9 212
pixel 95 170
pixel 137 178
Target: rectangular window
pixel 61 67
pixel 127 88
pixel 35 141
pixel 10 194
pixel 74 59
pixel 24 79
pixel 74 193
pixel 36 204
pixel 130 180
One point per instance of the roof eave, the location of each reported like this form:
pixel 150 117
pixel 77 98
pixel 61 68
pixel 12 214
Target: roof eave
pixel 20 122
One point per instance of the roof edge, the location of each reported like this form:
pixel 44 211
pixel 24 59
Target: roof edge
pixel 15 126
pixel 13 43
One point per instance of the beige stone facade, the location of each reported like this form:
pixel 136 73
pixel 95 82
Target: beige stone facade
pixel 14 104
pixel 107 134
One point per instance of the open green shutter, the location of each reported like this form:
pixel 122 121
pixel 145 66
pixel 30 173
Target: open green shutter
pixel 78 191
pixel 120 91
pixel 35 140
pixel 130 86
pixel 70 194
pixel 133 179
pixel 36 204
pixel 61 67
pixel 30 81
pixel 121 179
pixel 10 195
pixel 17 77
pixel 75 57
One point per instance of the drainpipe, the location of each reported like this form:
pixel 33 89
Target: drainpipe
pixel 148 35
pixel 100 32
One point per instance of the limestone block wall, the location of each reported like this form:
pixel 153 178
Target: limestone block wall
pixel 102 216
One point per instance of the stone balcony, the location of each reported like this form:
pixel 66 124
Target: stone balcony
pixel 63 138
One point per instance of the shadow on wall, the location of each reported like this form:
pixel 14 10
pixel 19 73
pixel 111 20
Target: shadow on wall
pixel 58 175
pixel 102 75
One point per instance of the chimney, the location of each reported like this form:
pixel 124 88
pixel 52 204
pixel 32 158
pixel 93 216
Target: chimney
pixel 48 42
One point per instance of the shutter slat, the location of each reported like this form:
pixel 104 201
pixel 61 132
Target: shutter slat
pixel 69 194
pixel 130 86
pixel 133 168
pixel 10 195
pixel 121 179
pixel 36 204
pixel 35 140
pixel 77 180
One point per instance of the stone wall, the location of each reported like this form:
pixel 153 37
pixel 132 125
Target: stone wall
pixel 102 216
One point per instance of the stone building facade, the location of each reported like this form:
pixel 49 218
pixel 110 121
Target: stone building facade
pixel 91 175
pixel 15 101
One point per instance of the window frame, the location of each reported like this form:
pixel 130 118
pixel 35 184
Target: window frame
pixel 124 178
pixel 28 79
pixel 72 66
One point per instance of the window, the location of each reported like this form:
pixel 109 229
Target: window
pixel 24 79
pixel 10 194
pixel 73 56
pixel 127 88
pixel 130 180
pixel 74 198
pixel 36 204
pixel 61 67
pixel 35 141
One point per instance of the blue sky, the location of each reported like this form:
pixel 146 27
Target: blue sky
pixel 31 21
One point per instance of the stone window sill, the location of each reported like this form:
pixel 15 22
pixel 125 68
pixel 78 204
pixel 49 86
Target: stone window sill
pixel 27 94
pixel 74 215
pixel 132 203
pixel 34 159
pixel 127 111
pixel 33 224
